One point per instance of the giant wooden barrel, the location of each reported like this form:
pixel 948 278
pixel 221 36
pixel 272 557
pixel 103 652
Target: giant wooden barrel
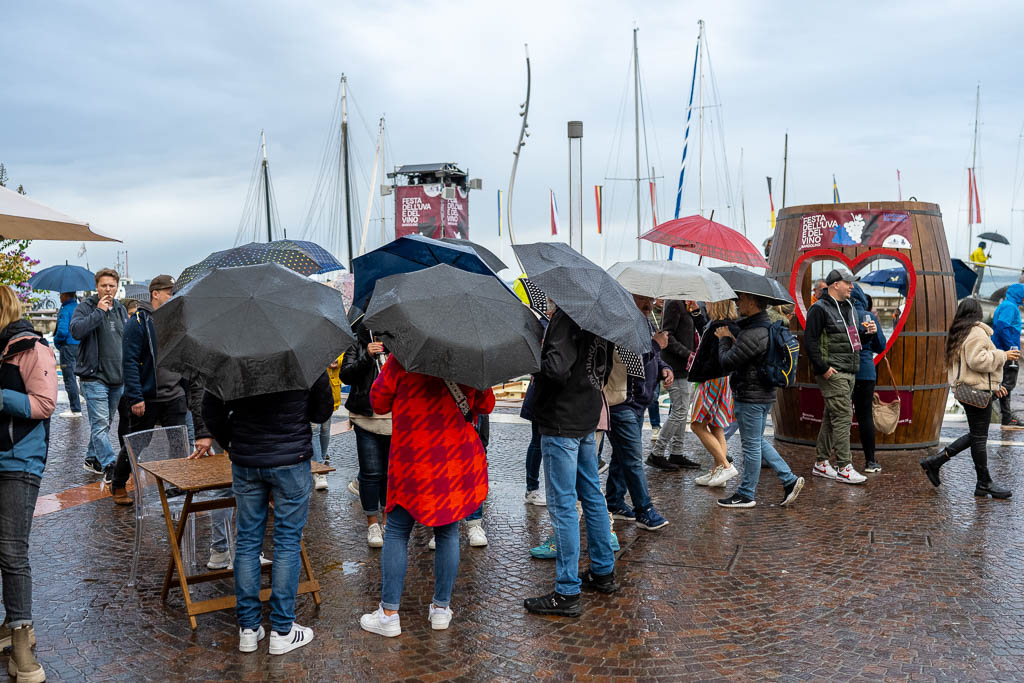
pixel 857 234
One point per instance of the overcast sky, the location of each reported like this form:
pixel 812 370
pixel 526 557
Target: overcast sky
pixel 144 118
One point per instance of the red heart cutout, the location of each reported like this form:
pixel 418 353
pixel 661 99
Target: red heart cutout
pixel 852 264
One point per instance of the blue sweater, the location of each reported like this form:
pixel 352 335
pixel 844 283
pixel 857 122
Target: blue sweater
pixel 872 345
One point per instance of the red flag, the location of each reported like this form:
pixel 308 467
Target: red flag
pixel 597 199
pixel 554 214
pixel 973 201
pixel 654 206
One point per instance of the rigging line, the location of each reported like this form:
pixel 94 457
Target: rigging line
pixel 250 200
pixel 618 143
pixel 643 122
pixel 720 120
pixel 328 156
pixel 359 112
pixel 657 147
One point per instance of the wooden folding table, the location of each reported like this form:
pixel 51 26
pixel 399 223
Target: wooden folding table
pixel 191 477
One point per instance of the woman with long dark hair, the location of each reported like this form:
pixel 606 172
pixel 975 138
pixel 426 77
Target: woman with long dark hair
pixel 974 361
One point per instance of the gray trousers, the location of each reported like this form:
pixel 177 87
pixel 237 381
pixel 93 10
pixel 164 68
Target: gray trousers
pixel 18 493
pixel 673 431
pixel 836 422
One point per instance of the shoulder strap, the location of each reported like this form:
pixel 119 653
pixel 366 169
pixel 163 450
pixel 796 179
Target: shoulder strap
pixel 460 399
pixel 892 379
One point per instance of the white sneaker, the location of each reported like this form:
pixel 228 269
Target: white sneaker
pixel 703 479
pixel 377 622
pixel 535 497
pixel 824 469
pixel 230 565
pixel 221 560
pixel 248 640
pixel 439 617
pixel 294 639
pixel 353 487
pixel 320 482
pixel 848 475
pixel 477 536
pixel 69 413
pixel 374 536
pixel 433 543
pixel 655 431
pixel 723 476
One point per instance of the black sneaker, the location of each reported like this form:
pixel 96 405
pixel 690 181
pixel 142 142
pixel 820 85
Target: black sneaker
pixel 623 512
pixel 92 465
pixel 736 501
pixel 1013 423
pixel 554 603
pixel 684 462
pixel 792 491
pixel 872 467
pixel 661 463
pixel 603 583
pixel 602 465
pixel 108 474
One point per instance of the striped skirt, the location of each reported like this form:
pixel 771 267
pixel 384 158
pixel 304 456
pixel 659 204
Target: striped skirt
pixel 713 403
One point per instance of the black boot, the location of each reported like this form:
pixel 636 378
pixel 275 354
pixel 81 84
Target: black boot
pixel 932 465
pixel 990 489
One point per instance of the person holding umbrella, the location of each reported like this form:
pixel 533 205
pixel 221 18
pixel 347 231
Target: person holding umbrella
pixel 67 346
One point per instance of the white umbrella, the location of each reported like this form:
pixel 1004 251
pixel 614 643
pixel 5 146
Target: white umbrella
pixel 671 280
pixel 22 218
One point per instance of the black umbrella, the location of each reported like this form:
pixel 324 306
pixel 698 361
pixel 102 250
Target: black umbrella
pixel 252 330
pixel 461 326
pixel 307 258
pixel 746 282
pixel 993 237
pixel 485 254
pixel 588 294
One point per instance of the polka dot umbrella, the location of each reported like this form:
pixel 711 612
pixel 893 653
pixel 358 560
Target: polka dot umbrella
pixel 305 258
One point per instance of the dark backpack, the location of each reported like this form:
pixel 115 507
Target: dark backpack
pixel 779 366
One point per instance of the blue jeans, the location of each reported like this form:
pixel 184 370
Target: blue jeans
pixel 372 451
pixel 101 401
pixel 68 360
pixel 476 514
pixel 533 459
pixel 570 470
pixel 654 409
pixel 751 418
pixel 321 440
pixel 252 487
pixel 626 471
pixel 395 558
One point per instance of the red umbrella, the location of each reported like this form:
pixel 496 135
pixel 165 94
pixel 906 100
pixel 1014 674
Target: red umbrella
pixel 703 236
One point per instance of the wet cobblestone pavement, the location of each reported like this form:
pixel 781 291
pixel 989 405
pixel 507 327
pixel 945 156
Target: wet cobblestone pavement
pixel 893 580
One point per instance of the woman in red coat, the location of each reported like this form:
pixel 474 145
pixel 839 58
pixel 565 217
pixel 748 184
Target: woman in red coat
pixel 437 475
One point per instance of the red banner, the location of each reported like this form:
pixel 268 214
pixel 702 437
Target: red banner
pixel 872 228
pixel 812 405
pixel 420 209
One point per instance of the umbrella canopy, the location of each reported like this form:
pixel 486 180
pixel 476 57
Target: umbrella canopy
pixel 407 255
pixel 587 293
pixel 252 330
pixel 22 218
pixel 703 236
pixel 63 279
pixel 886 277
pixel 994 237
pixel 488 256
pixel 306 258
pixel 671 280
pixel 459 326
pixel 745 282
pixel 965 278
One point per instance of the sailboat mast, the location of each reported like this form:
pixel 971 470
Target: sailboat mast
pixel 344 164
pixel 973 177
pixel 1014 184
pixel 636 126
pixel 266 185
pixel 743 203
pixel 785 167
pixel 700 121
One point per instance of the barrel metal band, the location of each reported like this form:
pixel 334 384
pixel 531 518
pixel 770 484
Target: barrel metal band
pixel 905 333
pixel 937 273
pixel 856 446
pixel 908 387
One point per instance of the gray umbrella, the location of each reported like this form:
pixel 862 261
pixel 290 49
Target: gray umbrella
pixel 588 294
pixel 252 330
pixel 461 326
pixel 485 254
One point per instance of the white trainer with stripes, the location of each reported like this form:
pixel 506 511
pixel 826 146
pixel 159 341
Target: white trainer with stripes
pixel 296 638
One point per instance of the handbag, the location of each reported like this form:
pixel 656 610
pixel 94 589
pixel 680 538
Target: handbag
pixel 886 414
pixel 967 394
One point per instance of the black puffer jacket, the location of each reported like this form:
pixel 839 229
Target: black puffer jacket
pixel 742 358
pixel 680 325
pixel 358 370
pixel 574 368
pixel 270 430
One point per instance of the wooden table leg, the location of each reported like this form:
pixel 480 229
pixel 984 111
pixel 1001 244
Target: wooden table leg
pixel 174 538
pixel 309 571
pixel 186 509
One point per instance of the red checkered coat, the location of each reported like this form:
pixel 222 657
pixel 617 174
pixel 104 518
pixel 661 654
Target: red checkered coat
pixel 437 469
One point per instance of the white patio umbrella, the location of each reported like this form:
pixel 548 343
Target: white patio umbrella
pixel 671 280
pixel 22 218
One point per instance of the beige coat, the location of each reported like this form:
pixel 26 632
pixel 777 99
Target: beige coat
pixel 980 362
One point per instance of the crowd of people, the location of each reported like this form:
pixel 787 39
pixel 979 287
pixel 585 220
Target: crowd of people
pixel 421 441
